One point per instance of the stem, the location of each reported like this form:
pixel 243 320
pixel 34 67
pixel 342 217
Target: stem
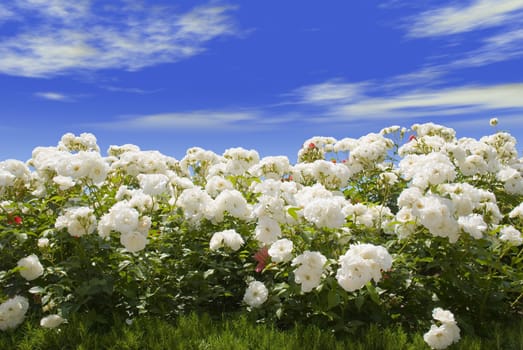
pixel 485 295
pixel 519 254
pixel 516 301
pixel 403 247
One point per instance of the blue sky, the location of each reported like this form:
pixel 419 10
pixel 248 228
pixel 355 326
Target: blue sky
pixel 169 75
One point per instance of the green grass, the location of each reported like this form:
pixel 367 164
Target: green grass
pixel 201 332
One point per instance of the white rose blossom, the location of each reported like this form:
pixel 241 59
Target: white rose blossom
pixel 281 250
pixel 12 312
pixel 310 270
pixel 31 268
pixel 444 335
pixel 227 238
pixel 51 321
pixel 256 294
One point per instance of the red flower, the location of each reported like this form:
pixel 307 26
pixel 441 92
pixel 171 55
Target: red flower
pixel 262 257
pixel 14 220
pixel 312 145
pixel 412 137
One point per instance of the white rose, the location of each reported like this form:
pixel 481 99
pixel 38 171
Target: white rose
pixel 31 267
pixel 43 243
pixel 51 321
pixel 133 241
pixel 256 294
pixel 281 250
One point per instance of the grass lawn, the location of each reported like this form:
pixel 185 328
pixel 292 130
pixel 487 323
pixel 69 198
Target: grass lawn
pixel 202 332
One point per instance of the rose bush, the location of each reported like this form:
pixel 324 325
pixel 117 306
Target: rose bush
pixel 374 229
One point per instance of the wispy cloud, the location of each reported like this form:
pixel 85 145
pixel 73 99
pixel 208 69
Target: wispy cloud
pixel 102 38
pixel 53 96
pixel 498 48
pixel 64 10
pixel 501 47
pixel 497 37
pixel 329 92
pixel 422 103
pixel 202 119
pixel 478 14
pixel 449 101
pixel 5 13
pixel 129 90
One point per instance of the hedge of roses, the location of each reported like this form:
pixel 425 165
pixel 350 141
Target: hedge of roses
pixel 399 226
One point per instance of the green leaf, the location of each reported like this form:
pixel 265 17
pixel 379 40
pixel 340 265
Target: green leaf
pixel 122 265
pixel 360 299
pixel 293 212
pixel 373 293
pixel 333 299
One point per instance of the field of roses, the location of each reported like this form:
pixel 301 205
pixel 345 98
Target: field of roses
pixel 405 226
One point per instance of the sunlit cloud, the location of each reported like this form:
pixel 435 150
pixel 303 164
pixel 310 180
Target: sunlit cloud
pixel 98 40
pixel 476 15
pixel 450 101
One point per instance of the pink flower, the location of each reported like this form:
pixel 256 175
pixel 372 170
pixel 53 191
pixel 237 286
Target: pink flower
pixel 262 257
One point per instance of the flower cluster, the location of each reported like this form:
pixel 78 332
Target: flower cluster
pixel 78 221
pixel 228 238
pixel 311 266
pixel 444 335
pixel 124 218
pixel 361 264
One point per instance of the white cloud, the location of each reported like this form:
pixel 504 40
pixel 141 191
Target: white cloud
pixel 425 76
pixel 65 10
pixel 330 91
pixel 129 90
pixel 429 102
pixel 239 119
pixel 505 46
pixel 478 14
pixel 447 101
pixel 107 39
pixel 498 48
pixel 53 96
pixel 183 120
